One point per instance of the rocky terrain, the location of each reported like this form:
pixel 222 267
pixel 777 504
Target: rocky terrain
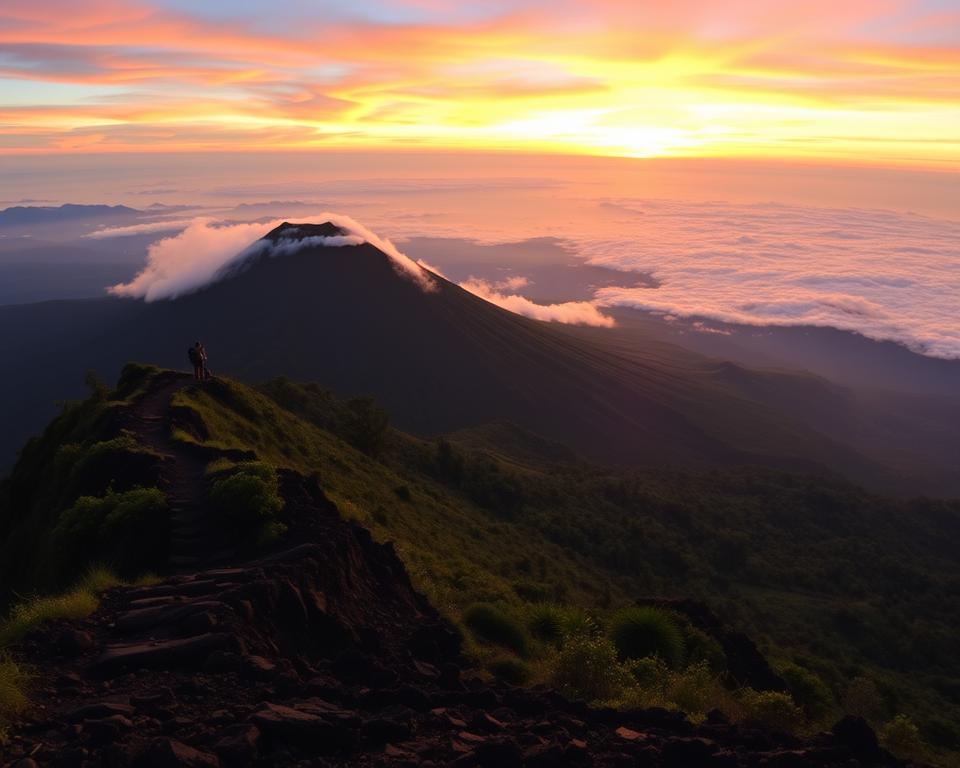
pixel 323 654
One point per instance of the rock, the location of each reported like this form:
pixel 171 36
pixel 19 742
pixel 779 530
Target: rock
pixel 68 682
pixel 99 710
pixel 169 654
pixel 308 731
pixel 628 734
pixel 380 730
pixel 238 745
pixel 168 753
pixel 857 736
pixel 543 755
pixel 576 751
pixel 357 668
pixel 258 668
pixel 498 753
pixel 687 753
pixel 75 642
pixel 223 661
pixel 106 730
pixel 25 762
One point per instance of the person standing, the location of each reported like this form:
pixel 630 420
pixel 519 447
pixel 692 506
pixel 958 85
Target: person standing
pixel 204 370
pixel 197 355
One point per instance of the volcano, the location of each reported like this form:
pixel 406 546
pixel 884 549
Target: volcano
pixel 346 315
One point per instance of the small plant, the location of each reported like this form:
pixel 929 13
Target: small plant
pixel 771 710
pixel 808 690
pixel 510 669
pixel 902 737
pixel 490 624
pixel 641 632
pixel 588 668
pixel 547 623
pixel 248 501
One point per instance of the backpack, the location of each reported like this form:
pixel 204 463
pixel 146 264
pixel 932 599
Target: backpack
pixel 193 355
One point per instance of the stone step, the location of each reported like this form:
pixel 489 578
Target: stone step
pixel 167 654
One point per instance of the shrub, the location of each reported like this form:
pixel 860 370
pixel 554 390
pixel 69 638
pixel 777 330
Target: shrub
pixel 129 530
pixel 490 624
pixel 902 737
pixel 641 632
pixel 808 690
pixel 248 501
pixel 510 669
pixel 771 710
pixel 699 646
pixel 369 425
pixel 588 668
pixel 547 623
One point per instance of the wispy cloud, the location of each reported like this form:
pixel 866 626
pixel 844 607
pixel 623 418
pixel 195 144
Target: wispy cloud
pixel 811 79
pixel 570 312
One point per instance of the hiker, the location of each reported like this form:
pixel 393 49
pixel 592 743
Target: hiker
pixel 204 370
pixel 198 359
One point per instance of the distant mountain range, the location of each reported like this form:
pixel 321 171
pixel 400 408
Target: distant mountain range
pixel 445 360
pixel 22 215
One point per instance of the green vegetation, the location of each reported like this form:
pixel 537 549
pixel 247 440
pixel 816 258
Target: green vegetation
pixel 491 624
pixel 511 670
pixel 77 603
pixel 641 632
pixel 247 500
pixel 83 452
pixel 854 597
pixel 130 530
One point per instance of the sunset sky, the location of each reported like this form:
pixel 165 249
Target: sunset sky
pixel 853 81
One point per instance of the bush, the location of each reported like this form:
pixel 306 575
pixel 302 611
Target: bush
pixel 771 710
pixel 808 690
pixel 547 623
pixel 588 668
pixel 369 425
pixel 129 530
pixel 490 624
pixel 510 670
pixel 641 632
pixel 699 646
pixel 248 501
pixel 902 737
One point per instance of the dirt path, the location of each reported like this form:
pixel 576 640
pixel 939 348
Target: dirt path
pixel 194 540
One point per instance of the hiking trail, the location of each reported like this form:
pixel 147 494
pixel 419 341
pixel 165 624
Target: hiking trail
pixel 194 539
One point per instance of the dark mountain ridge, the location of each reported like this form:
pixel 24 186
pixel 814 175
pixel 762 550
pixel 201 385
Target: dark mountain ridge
pixel 445 359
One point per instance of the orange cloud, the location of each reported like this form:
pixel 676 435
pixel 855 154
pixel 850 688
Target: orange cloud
pixel 612 77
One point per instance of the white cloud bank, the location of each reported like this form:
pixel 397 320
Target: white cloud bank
pixel 885 275
pixel 205 251
pixel 570 312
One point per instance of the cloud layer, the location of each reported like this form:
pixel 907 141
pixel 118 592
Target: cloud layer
pixel 885 275
pixel 206 250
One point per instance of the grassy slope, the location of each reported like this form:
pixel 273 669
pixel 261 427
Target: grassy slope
pixel 844 582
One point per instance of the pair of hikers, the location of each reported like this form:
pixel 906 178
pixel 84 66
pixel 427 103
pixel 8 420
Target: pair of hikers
pixel 198 359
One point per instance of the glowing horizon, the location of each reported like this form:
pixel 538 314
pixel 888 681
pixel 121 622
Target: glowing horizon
pixel 862 81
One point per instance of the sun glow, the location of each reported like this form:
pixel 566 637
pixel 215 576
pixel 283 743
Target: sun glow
pixel 604 78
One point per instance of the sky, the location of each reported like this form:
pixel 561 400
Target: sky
pixel 872 82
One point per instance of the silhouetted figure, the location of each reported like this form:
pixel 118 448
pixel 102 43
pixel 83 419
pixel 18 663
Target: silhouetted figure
pixel 198 359
pixel 204 368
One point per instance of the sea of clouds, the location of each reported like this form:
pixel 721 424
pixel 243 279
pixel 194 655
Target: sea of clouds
pixel 889 276
pixel 884 274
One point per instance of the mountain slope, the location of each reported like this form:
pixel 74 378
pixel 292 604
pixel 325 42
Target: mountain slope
pixel 443 360
pixel 849 585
